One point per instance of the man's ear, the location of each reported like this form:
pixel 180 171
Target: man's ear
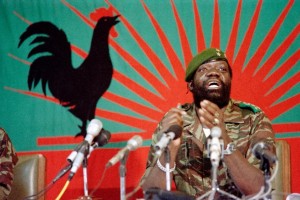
pixel 191 85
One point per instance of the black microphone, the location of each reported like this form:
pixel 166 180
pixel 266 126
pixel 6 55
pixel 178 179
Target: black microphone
pixel 172 133
pixel 132 144
pixel 101 140
pixel 92 130
pixel 262 150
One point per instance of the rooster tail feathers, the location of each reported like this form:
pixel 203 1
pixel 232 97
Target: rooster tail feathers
pixel 46 28
pixel 44 84
pixel 52 51
pixel 34 75
pixel 38 49
pixel 38 28
pixel 48 39
pixel 39 70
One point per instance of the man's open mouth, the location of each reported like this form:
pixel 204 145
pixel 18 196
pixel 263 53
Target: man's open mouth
pixel 213 84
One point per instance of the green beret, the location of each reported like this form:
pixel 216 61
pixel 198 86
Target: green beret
pixel 202 57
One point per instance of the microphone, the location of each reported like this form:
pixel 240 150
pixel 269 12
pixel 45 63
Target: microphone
pixel 262 150
pixel 62 172
pixel 92 130
pixel 215 147
pixel 132 144
pixel 172 133
pixel 82 152
pixel 78 155
pixel 101 140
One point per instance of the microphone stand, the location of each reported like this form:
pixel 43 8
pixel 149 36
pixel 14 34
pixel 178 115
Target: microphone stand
pixel 215 188
pixel 85 178
pixel 265 166
pixel 167 162
pixel 122 171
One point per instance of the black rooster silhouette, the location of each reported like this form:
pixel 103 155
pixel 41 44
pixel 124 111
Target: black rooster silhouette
pixel 80 88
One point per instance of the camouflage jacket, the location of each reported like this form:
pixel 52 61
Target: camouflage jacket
pixel 245 123
pixel 8 160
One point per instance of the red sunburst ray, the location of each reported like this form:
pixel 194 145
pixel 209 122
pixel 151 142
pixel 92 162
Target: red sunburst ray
pixel 284 106
pixel 274 58
pixel 128 103
pixel 234 32
pixel 79 51
pixel 185 46
pixel 215 39
pixel 262 49
pixel 34 94
pixel 142 124
pixel 139 90
pixel 281 71
pixel 260 90
pixel 282 89
pixel 140 69
pixel 22 18
pixel 243 51
pixel 286 127
pixel 198 28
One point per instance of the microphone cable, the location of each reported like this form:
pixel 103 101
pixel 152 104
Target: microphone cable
pixel 63 190
pixel 71 175
pixel 37 195
pixel 138 187
pixel 135 190
pixel 99 182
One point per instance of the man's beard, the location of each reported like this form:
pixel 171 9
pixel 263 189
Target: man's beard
pixel 219 97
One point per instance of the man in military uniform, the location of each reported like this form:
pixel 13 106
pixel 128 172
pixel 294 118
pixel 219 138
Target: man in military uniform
pixel 8 160
pixel 242 125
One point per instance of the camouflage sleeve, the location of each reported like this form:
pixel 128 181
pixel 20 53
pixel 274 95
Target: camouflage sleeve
pixel 152 158
pixel 261 131
pixel 8 160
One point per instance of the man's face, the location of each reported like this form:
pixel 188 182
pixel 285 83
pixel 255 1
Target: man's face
pixel 212 81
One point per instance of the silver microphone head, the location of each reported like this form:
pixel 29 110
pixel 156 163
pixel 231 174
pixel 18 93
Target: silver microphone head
pixel 216 131
pixel 135 142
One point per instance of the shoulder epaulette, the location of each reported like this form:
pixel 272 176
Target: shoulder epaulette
pixel 249 106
